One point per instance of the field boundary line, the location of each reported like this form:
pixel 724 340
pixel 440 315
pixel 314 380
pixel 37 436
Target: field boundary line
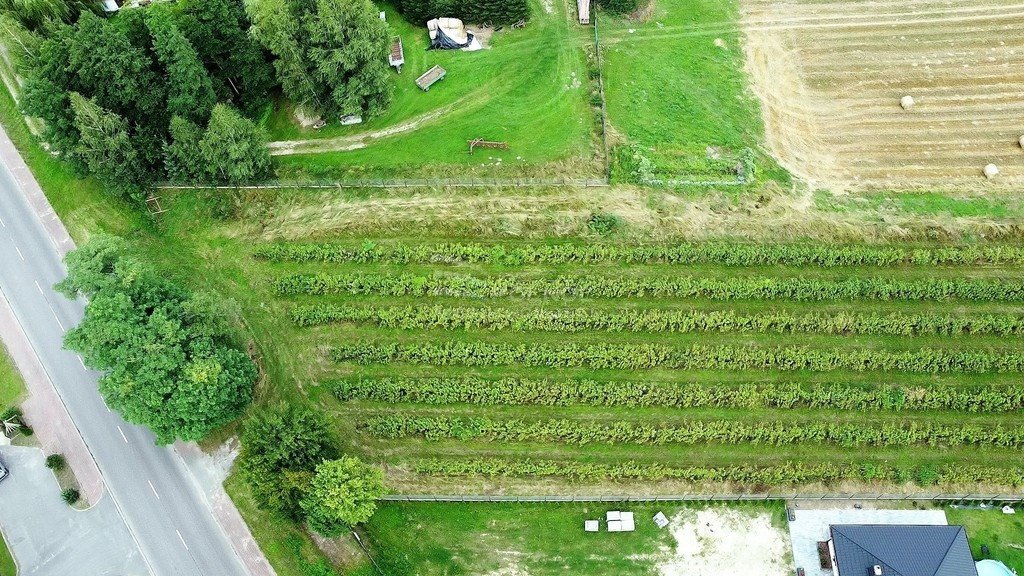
pixel 710 497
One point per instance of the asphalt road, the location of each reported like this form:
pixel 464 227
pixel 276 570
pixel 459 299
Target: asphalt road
pixel 163 508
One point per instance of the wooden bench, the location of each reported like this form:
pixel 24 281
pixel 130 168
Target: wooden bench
pixel 481 143
pixel 430 77
pixel 397 57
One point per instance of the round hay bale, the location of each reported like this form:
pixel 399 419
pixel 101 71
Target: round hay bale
pixel 991 171
pixel 907 102
pixel 1021 141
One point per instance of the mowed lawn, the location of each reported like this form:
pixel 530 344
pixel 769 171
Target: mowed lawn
pixel 528 88
pixel 675 87
pixel 12 388
pixel 547 539
pixel 1003 534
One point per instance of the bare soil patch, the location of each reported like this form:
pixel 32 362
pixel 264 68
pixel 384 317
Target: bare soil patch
pixel 830 76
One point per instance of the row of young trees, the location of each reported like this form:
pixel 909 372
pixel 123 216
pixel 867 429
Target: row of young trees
pixel 638 394
pixel 696 357
pixel 687 253
pixel 593 286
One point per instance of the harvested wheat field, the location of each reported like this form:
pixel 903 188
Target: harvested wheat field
pixel 831 76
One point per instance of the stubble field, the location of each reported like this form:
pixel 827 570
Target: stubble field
pixel 830 76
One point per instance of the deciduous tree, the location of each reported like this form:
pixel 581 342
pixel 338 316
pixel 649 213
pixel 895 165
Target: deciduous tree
pixel 343 492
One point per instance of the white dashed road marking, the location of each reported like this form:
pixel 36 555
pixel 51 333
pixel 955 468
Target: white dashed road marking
pixel 122 434
pixel 182 540
pixel 153 489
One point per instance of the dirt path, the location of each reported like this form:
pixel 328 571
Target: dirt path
pixel 356 141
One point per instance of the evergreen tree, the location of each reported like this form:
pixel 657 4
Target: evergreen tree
pixel 190 91
pixel 105 148
pixel 183 154
pixel 234 149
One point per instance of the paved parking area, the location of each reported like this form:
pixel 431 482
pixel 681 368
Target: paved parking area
pixel 812 526
pixel 49 538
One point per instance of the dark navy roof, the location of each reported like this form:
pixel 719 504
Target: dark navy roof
pixel 902 550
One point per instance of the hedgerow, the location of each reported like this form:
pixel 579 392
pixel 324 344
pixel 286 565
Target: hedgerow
pixel 730 288
pixel 523 391
pixel 786 473
pixel 677 321
pixel 395 426
pixel 643 356
pixel 703 253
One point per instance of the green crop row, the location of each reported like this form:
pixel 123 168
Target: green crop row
pixel 642 356
pixel 394 426
pixel 521 391
pixel 787 473
pixel 703 253
pixel 731 288
pixel 675 321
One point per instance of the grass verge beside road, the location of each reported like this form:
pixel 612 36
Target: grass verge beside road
pixel 12 387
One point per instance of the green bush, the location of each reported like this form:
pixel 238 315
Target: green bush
pixel 55 462
pixel 658 321
pixel 592 286
pixel 619 6
pixel 604 223
pixel 70 495
pixel 638 394
pixel 697 357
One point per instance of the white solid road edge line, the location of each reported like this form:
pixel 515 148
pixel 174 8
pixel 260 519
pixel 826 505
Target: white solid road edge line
pixel 182 539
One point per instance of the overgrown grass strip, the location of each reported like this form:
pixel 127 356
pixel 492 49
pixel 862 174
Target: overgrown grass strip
pixel 635 394
pixel 657 321
pixel 581 433
pixel 645 356
pixel 783 473
pixel 729 254
pixel 726 289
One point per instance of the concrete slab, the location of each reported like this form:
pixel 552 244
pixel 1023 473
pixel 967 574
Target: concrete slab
pixel 812 526
pixel 49 538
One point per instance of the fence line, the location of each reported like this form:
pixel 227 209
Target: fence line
pixel 407 183
pixel 724 497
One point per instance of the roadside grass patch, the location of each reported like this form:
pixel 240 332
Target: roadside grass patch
pixel 12 387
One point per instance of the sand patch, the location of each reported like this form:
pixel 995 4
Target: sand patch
pixel 725 541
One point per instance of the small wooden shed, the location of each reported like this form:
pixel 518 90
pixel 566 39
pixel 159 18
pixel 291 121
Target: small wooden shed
pixel 584 10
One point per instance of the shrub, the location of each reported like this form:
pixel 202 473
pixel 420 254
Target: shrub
pixel 604 223
pixel 619 6
pixel 497 12
pixel 55 462
pixel 70 495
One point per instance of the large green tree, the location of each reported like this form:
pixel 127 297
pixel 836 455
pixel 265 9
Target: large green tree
pixel 281 447
pixel 190 91
pixel 240 68
pixel 343 493
pixel 232 150
pixel 331 54
pixel 169 357
pixel 105 147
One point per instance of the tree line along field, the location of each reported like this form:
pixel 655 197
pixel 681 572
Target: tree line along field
pixel 581 368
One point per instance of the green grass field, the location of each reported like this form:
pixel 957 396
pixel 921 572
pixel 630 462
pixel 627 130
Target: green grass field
pixel 676 89
pixel 547 121
pixel 1003 534
pixel 538 539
